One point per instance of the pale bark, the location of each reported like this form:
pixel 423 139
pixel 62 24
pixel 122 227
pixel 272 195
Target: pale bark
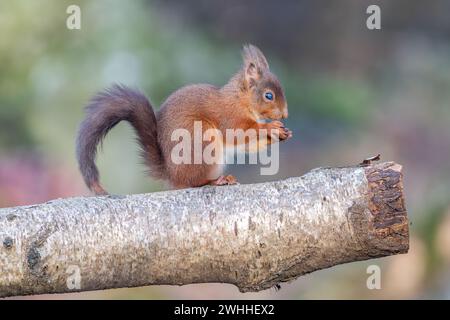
pixel 254 236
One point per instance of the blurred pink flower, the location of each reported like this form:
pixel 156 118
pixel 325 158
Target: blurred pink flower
pixel 27 178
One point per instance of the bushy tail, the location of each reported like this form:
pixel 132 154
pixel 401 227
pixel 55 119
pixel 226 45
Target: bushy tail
pixel 104 111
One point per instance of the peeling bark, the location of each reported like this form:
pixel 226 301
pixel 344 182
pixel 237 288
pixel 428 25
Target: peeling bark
pixel 254 236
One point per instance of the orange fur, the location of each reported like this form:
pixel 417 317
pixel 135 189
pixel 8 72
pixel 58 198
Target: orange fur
pixel 237 105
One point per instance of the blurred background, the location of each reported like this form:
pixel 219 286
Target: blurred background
pixel 352 93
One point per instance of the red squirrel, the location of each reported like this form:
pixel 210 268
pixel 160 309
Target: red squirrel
pixel 252 94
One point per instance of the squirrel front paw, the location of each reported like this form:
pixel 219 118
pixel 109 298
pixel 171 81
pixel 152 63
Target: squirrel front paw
pixel 282 133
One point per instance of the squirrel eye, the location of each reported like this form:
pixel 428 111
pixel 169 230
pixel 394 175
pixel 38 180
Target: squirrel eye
pixel 268 96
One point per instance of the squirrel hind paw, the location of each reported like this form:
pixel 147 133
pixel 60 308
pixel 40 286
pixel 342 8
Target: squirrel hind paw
pixel 224 180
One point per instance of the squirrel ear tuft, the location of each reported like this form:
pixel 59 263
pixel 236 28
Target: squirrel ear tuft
pixel 255 64
pixel 251 53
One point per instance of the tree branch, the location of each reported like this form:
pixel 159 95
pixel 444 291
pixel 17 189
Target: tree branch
pixel 253 236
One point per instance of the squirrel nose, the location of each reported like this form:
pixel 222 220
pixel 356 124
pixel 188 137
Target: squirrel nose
pixel 285 113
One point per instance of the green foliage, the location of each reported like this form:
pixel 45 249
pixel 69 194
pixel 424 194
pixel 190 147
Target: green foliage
pixel 327 98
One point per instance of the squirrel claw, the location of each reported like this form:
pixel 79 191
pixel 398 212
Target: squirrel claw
pixel 289 133
pixel 224 180
pixel 284 134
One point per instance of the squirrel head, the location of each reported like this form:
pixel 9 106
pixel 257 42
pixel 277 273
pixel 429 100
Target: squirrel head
pixel 263 89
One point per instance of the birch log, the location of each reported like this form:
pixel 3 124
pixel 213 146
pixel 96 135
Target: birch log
pixel 254 236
